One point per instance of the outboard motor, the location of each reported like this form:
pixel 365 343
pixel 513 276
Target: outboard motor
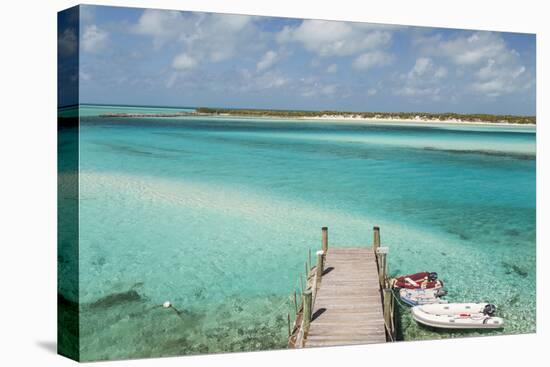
pixel 489 309
pixel 432 277
pixel 440 292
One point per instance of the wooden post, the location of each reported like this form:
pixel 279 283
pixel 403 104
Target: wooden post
pixel 324 239
pixel 295 303
pixel 309 258
pixel 307 310
pixel 307 271
pixel 381 253
pixel 376 239
pixel 319 269
pixel 387 304
pixel 392 314
pixel 289 332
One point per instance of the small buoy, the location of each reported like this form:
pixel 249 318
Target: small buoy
pixel 167 304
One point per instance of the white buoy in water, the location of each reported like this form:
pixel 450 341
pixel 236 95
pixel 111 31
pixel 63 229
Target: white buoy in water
pixel 167 304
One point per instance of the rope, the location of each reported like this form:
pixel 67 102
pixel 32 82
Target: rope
pixel 290 300
pixel 399 302
pixel 281 305
pixel 389 332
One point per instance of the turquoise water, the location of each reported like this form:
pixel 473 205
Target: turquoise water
pixel 96 110
pixel 217 215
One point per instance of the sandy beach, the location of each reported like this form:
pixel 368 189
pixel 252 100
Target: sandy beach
pixel 345 119
pixel 422 121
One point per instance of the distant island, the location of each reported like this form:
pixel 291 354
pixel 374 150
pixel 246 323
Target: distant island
pixel 140 114
pixel 447 117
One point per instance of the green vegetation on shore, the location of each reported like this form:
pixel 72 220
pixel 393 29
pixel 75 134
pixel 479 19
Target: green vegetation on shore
pixel 512 119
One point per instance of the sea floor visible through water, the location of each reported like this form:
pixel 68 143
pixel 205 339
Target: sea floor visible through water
pixel 217 216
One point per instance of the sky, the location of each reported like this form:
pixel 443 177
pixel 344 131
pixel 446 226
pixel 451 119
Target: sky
pixel 176 58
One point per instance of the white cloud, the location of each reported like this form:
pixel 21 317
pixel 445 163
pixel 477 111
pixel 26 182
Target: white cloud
pixel 482 59
pixel 84 76
pixel 493 88
pixel 410 91
pixel 171 80
pixel 270 80
pixel 474 49
pixel 268 60
pixel 250 82
pixel 441 72
pixel 424 68
pixel 424 80
pixel 67 42
pixel 94 39
pixel 184 62
pixel 422 65
pixel 435 64
pixel 87 13
pixel 203 37
pixel 331 38
pixel 328 89
pixel 332 68
pixel 161 25
pixel 372 59
pixel 310 87
pixel 495 79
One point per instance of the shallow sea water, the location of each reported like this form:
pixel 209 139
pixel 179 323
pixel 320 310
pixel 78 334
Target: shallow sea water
pixel 217 215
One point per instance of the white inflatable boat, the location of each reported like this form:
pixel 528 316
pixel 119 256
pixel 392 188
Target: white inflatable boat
pixel 419 296
pixel 458 316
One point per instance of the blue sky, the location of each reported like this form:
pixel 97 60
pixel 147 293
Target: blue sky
pixel 160 57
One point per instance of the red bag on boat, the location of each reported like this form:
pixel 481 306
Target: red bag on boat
pixel 423 279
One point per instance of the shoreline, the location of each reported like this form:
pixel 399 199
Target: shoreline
pixel 327 118
pixel 366 120
pixel 422 121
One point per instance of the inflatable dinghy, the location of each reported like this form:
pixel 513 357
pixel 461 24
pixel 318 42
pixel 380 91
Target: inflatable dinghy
pixel 458 316
pixel 425 279
pixel 419 296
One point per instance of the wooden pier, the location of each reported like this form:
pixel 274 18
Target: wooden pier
pixel 346 299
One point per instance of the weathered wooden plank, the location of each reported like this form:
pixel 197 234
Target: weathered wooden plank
pixel 344 315
pixel 350 324
pixel 360 287
pixel 360 292
pixel 369 284
pixel 362 336
pixel 355 307
pixel 345 342
pixel 345 332
pixel 350 249
pixel 363 328
pixel 371 298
